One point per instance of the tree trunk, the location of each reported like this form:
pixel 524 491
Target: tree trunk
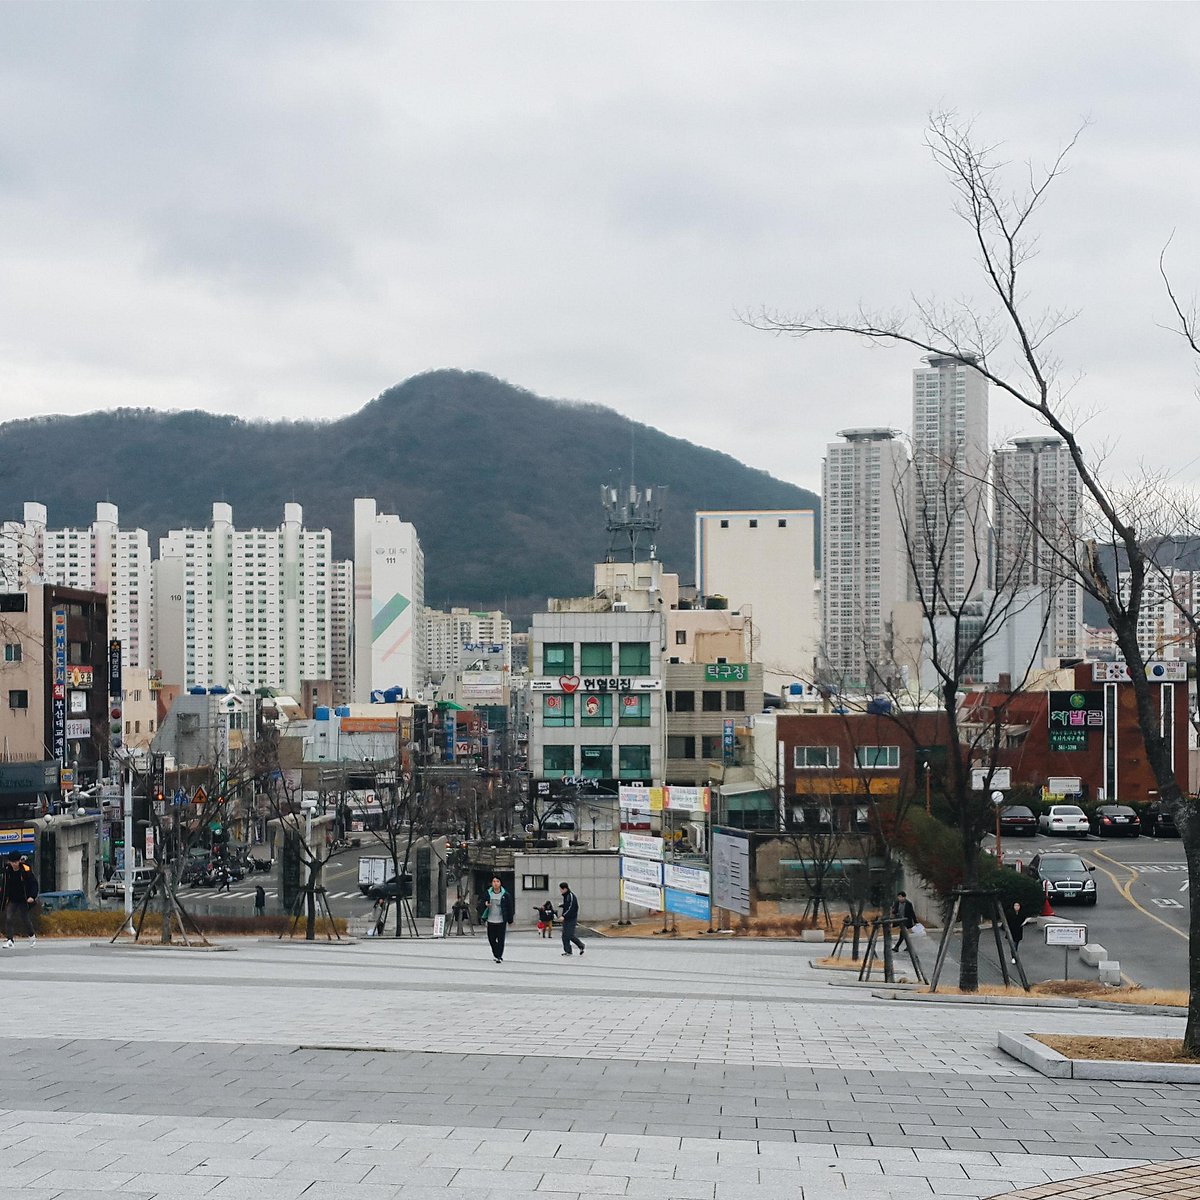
pixel 1191 1033
pixel 166 905
pixel 310 904
pixel 968 966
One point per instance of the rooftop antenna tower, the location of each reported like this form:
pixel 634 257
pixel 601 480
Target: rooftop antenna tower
pixel 629 515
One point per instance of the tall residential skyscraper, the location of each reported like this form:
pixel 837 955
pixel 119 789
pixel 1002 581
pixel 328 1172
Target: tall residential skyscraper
pixel 389 597
pixel 453 638
pixel 101 558
pixel 948 526
pixel 245 608
pixel 864 483
pixel 1036 520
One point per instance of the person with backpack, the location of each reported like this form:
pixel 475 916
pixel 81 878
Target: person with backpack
pixel 570 915
pixel 498 913
pixel 18 894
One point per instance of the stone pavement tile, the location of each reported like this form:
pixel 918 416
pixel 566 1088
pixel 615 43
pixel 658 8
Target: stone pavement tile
pixel 508 1181
pixel 68 1180
pixel 87 1194
pixel 324 1172
pixel 173 1185
pixel 584 1185
pixel 232 1166
pixel 258 1189
pixel 675 1189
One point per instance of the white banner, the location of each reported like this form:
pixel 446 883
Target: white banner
pixel 686 879
pixel 642 870
pixel 731 872
pixel 687 799
pixel 78 730
pixel 642 845
pixel 641 895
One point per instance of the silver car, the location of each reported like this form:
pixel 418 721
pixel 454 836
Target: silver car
pixel 1064 820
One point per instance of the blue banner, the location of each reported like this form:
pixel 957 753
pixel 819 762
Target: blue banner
pixel 686 904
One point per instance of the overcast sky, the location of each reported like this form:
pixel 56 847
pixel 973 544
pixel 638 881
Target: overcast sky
pixel 281 210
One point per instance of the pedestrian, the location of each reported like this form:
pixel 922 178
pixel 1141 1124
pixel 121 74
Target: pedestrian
pixel 904 916
pixel 545 919
pixel 1016 927
pixel 260 900
pixel 570 915
pixel 18 894
pixel 498 912
pixel 225 880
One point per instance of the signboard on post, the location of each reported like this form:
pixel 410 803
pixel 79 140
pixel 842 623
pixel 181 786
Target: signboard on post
pixel 642 845
pixel 1064 785
pixel 1066 935
pixel 731 871
pixel 686 904
pixel 641 895
pixel 642 870
pixel 1001 778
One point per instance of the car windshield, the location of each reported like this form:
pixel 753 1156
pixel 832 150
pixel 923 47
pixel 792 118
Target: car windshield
pixel 1067 810
pixel 1120 810
pixel 1063 862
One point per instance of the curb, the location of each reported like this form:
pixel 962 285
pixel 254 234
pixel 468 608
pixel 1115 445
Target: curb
pixel 1057 1066
pixel 997 1001
pixel 900 984
pixel 211 948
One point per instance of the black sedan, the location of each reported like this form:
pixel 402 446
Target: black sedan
pixel 1115 820
pixel 390 891
pixel 1159 821
pixel 1065 877
pixel 1017 819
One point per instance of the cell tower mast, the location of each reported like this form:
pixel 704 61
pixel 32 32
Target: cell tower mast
pixel 628 515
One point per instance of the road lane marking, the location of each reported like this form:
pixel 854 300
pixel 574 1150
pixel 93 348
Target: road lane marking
pixel 1161 903
pixel 1183 887
pixel 1123 889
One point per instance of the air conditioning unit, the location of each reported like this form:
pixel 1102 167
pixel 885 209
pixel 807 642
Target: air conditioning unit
pixel 620 606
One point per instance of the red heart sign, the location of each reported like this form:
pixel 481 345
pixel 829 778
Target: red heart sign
pixel 568 683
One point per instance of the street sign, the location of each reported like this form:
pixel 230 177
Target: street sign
pixel 1066 935
pixel 1001 778
pixel 199 795
pixel 1064 785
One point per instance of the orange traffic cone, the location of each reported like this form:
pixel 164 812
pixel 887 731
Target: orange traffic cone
pixel 1047 911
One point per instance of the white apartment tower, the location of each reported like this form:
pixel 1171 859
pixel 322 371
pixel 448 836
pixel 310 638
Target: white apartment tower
pixel 101 558
pixel 245 609
pixel 1036 522
pixel 865 567
pixel 389 598
pixel 453 638
pixel 341 630
pixel 948 525
pixel 762 562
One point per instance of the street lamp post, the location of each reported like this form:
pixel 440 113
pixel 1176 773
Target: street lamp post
pixel 928 800
pixel 998 800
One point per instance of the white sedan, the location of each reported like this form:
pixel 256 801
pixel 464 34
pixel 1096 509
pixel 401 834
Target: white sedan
pixel 1064 819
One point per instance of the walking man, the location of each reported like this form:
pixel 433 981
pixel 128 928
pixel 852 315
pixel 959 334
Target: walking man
pixel 498 912
pixel 570 915
pixel 260 900
pixel 904 915
pixel 18 893
pixel 225 880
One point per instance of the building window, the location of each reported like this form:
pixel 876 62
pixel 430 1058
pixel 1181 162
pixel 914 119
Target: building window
pixel 634 762
pixel 753 523
pixel 681 637
pixel 535 883
pixel 635 658
pixel 782 523
pixel 876 756
pixel 558 658
pixel 808 758
pixel 18 699
pixel 681 702
pixel 595 762
pixel 712 747
pixel 558 710
pixel 735 701
pixel 635 710
pixel 724 524
pixel 558 761
pixel 12 652
pixel 710 700
pixel 680 746
pixel 596 709
pixel 595 658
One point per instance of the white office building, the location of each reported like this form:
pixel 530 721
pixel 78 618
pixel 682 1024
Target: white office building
pixel 865 564
pixel 763 564
pixel 949 519
pixel 245 609
pixel 1036 523
pixel 101 557
pixel 389 598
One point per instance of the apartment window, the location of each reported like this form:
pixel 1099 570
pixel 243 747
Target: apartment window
pixel 711 747
pixel 681 746
pixel 724 524
pixel 635 710
pixel 782 523
pixel 634 762
pixel 595 762
pixel 635 658
pixel 735 701
pixel 681 637
pixel 595 658
pixel 557 761
pixel 710 701
pixel 558 658
pixel 12 652
pixel 808 758
pixel 681 702
pixel 753 523
pixel 876 756
pixel 14 602
pixel 558 710
pixel 596 710
pixel 18 699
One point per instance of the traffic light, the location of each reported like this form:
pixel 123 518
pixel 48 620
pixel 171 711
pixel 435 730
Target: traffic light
pixel 116 732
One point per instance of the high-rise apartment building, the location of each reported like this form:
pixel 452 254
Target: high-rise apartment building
pixel 245 609
pixel 948 525
pixel 389 597
pixel 763 563
pixel 865 564
pixel 1036 523
pixel 100 558
pixel 341 630
pixel 454 638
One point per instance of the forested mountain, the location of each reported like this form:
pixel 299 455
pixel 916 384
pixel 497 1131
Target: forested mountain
pixel 502 485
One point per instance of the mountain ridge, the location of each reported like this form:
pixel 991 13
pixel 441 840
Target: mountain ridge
pixel 503 485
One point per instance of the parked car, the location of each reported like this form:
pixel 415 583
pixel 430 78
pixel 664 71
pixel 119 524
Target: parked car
pixel 1068 877
pixel 114 888
pixel 389 890
pixel 1115 820
pixel 1158 820
pixel 1064 819
pixel 1017 819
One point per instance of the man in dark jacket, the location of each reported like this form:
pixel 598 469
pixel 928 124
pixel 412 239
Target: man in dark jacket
pixel 904 915
pixel 18 893
pixel 570 915
pixel 498 913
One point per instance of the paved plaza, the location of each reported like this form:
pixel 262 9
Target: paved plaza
pixel 422 1069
